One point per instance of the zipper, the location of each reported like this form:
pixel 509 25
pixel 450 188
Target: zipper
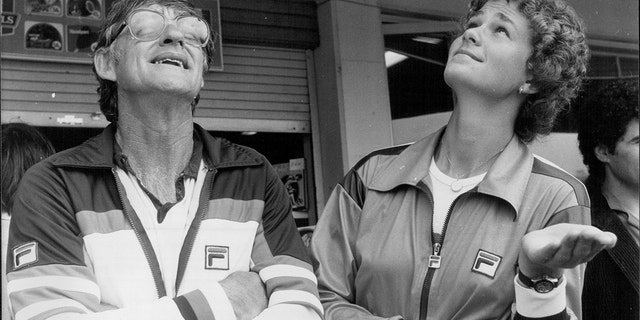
pixel 158 282
pixel 435 260
pixel 185 252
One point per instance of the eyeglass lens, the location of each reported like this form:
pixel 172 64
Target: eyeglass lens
pixel 148 25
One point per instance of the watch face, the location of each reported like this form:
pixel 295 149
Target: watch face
pixel 544 286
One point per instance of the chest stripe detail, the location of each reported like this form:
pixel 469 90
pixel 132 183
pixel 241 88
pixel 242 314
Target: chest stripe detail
pixel 102 222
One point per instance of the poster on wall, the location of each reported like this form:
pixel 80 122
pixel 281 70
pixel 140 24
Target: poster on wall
pixel 84 9
pixel 46 7
pixel 67 30
pixel 43 35
pixel 292 175
pixel 81 38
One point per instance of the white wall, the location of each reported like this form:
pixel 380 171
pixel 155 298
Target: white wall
pixel 562 149
pixel 363 75
pixel 407 130
pixel 353 115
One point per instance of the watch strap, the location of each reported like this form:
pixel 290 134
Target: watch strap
pixel 542 284
pixel 525 280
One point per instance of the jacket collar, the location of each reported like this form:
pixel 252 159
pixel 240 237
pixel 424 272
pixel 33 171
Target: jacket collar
pixel 221 153
pixel 97 152
pixel 507 177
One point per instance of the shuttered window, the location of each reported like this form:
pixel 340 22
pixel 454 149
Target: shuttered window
pixel 260 89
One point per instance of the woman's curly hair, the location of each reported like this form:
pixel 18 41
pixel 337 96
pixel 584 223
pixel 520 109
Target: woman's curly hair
pixel 558 62
pixel 603 121
pixel 113 26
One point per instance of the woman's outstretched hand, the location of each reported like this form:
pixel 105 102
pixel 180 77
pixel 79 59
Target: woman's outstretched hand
pixel 561 246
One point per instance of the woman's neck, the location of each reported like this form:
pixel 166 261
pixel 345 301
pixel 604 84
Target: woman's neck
pixel 475 135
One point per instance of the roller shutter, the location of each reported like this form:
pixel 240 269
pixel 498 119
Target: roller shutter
pixel 260 89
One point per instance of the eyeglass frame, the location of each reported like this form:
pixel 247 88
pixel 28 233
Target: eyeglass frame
pixel 126 23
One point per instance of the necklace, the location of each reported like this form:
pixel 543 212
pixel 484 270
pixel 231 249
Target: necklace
pixel 457 185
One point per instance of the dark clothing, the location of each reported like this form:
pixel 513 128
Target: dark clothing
pixel 611 280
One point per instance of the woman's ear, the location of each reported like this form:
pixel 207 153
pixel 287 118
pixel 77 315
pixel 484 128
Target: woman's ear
pixel 602 153
pixel 105 64
pixel 528 88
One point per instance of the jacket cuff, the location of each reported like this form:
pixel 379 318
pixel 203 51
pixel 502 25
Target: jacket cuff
pixel 533 305
pixel 210 303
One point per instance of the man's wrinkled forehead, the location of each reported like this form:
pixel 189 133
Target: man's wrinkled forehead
pixel 180 7
pixel 123 8
pixel 177 6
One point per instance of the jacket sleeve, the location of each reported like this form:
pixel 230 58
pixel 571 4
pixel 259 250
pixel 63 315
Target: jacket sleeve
pixel 47 272
pixel 282 260
pixel 573 278
pixel 333 250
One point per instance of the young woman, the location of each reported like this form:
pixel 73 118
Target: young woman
pixel 467 223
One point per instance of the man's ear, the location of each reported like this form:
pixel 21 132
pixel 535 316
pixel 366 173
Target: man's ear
pixel 105 64
pixel 602 153
pixel 204 71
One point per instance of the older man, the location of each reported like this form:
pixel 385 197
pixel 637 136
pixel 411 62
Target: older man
pixel 154 218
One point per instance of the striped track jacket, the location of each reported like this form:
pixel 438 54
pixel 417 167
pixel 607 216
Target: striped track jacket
pixel 77 247
pixel 373 242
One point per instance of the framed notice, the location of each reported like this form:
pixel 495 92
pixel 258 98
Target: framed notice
pixel 67 30
pixel 292 175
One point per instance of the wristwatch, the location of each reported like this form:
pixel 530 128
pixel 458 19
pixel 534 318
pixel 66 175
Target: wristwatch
pixel 542 284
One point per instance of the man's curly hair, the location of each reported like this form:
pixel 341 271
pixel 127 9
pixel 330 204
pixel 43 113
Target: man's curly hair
pixel 558 62
pixel 603 121
pixel 113 26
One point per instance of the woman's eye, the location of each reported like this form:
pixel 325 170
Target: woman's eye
pixel 503 30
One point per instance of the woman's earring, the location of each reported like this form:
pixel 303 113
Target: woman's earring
pixel 521 89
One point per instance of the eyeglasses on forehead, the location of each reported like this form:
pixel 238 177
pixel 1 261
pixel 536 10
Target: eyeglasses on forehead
pixel 148 25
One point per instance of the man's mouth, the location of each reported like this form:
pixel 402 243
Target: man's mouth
pixel 173 62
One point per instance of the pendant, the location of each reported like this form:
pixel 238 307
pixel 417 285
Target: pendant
pixel 456 186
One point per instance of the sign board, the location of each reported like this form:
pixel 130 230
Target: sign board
pixel 67 30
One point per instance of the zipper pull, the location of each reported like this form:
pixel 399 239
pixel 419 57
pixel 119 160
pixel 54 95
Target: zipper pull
pixel 434 259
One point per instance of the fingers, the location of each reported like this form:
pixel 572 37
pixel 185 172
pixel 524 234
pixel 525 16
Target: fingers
pixel 580 244
pixel 591 243
pixel 246 292
pixel 566 245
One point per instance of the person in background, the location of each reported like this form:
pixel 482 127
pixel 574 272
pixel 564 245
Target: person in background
pixel 22 147
pixel 154 218
pixel 467 223
pixel 608 140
